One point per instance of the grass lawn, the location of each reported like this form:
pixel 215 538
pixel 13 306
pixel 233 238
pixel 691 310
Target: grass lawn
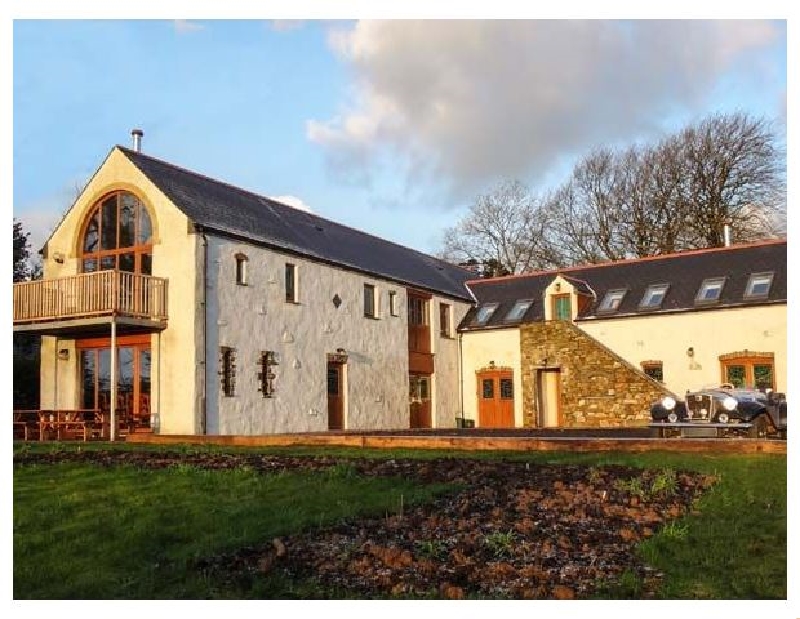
pixel 82 531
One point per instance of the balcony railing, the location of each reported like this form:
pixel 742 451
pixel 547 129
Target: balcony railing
pixel 102 293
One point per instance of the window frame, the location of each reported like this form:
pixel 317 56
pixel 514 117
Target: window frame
pixel 374 308
pixel 748 360
pixel 610 295
pixel 291 296
pixel 491 308
pixel 227 371
pixel 652 365
pixel 751 282
pixel 554 299
pixel 242 269
pixel 445 320
pixel 651 288
pixel 527 302
pixel 393 303
pixel 706 285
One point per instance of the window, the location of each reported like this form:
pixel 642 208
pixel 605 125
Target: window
pixel 506 389
pixel 417 311
pixel 562 307
pixel 758 286
pixel 654 296
pixel 393 303
pixel 518 311
pixel 369 301
pixel 488 388
pixel 241 269
pixel 484 313
pixel 228 371
pixel 118 236
pixel 444 320
pixel 749 369
pixel 654 369
pixel 290 278
pixel 611 301
pixel 710 290
pixel 266 376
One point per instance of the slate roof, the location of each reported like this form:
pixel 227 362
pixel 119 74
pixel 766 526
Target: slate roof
pixel 684 272
pixel 223 208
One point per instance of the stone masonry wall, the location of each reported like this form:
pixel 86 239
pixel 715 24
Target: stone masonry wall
pixel 598 387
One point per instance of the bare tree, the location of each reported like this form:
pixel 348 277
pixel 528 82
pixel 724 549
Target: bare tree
pixel 506 230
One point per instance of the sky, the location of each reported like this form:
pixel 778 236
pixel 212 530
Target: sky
pixel 392 127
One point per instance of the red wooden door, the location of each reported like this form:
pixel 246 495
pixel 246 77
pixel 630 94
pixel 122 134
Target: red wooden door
pixel 495 399
pixel 335 396
pixel 419 400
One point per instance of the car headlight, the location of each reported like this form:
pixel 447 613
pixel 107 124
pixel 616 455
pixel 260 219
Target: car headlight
pixel 672 417
pixel 668 403
pixel 729 403
pixel 723 417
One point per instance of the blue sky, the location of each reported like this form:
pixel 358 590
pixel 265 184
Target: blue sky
pixel 389 127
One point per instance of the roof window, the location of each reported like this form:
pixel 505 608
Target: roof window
pixel 758 286
pixel 654 296
pixel 710 290
pixel 484 313
pixel 518 311
pixel 611 301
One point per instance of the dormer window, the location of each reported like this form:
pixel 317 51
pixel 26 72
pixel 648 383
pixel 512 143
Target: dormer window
pixel 710 290
pixel 484 313
pixel 758 286
pixel 518 311
pixel 611 301
pixel 654 296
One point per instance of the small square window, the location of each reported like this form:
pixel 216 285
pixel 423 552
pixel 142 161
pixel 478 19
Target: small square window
pixel 393 303
pixel 484 313
pixel 611 301
pixel 758 286
pixel 290 279
pixel 369 301
pixel 710 290
pixel 654 296
pixel 654 369
pixel 518 311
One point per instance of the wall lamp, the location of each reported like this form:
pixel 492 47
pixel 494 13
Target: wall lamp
pixel 690 352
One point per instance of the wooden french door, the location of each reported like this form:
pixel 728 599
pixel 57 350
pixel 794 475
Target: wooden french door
pixel 419 400
pixel 495 399
pixel 335 395
pixel 133 379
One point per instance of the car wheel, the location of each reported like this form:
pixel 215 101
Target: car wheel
pixel 759 429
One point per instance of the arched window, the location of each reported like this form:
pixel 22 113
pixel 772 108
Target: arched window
pixel 118 236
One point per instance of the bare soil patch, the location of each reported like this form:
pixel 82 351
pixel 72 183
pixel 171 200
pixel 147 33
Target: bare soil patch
pixel 510 529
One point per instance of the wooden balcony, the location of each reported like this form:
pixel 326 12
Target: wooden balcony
pixel 90 299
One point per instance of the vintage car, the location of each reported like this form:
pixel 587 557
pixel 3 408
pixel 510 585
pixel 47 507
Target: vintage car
pixel 721 411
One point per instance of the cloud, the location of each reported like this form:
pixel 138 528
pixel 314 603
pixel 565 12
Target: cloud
pixel 294 202
pixel 185 26
pixel 467 102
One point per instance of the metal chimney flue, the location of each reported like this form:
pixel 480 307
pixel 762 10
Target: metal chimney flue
pixel 137 140
pixel 727 232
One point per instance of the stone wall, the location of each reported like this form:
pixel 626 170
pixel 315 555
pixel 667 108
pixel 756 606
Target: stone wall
pixel 598 387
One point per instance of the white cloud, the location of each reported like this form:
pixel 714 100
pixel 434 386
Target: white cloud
pixel 466 102
pixel 185 26
pixel 294 202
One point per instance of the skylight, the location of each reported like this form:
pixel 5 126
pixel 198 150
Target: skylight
pixel 484 313
pixel 654 296
pixel 518 311
pixel 758 286
pixel 611 301
pixel 710 290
